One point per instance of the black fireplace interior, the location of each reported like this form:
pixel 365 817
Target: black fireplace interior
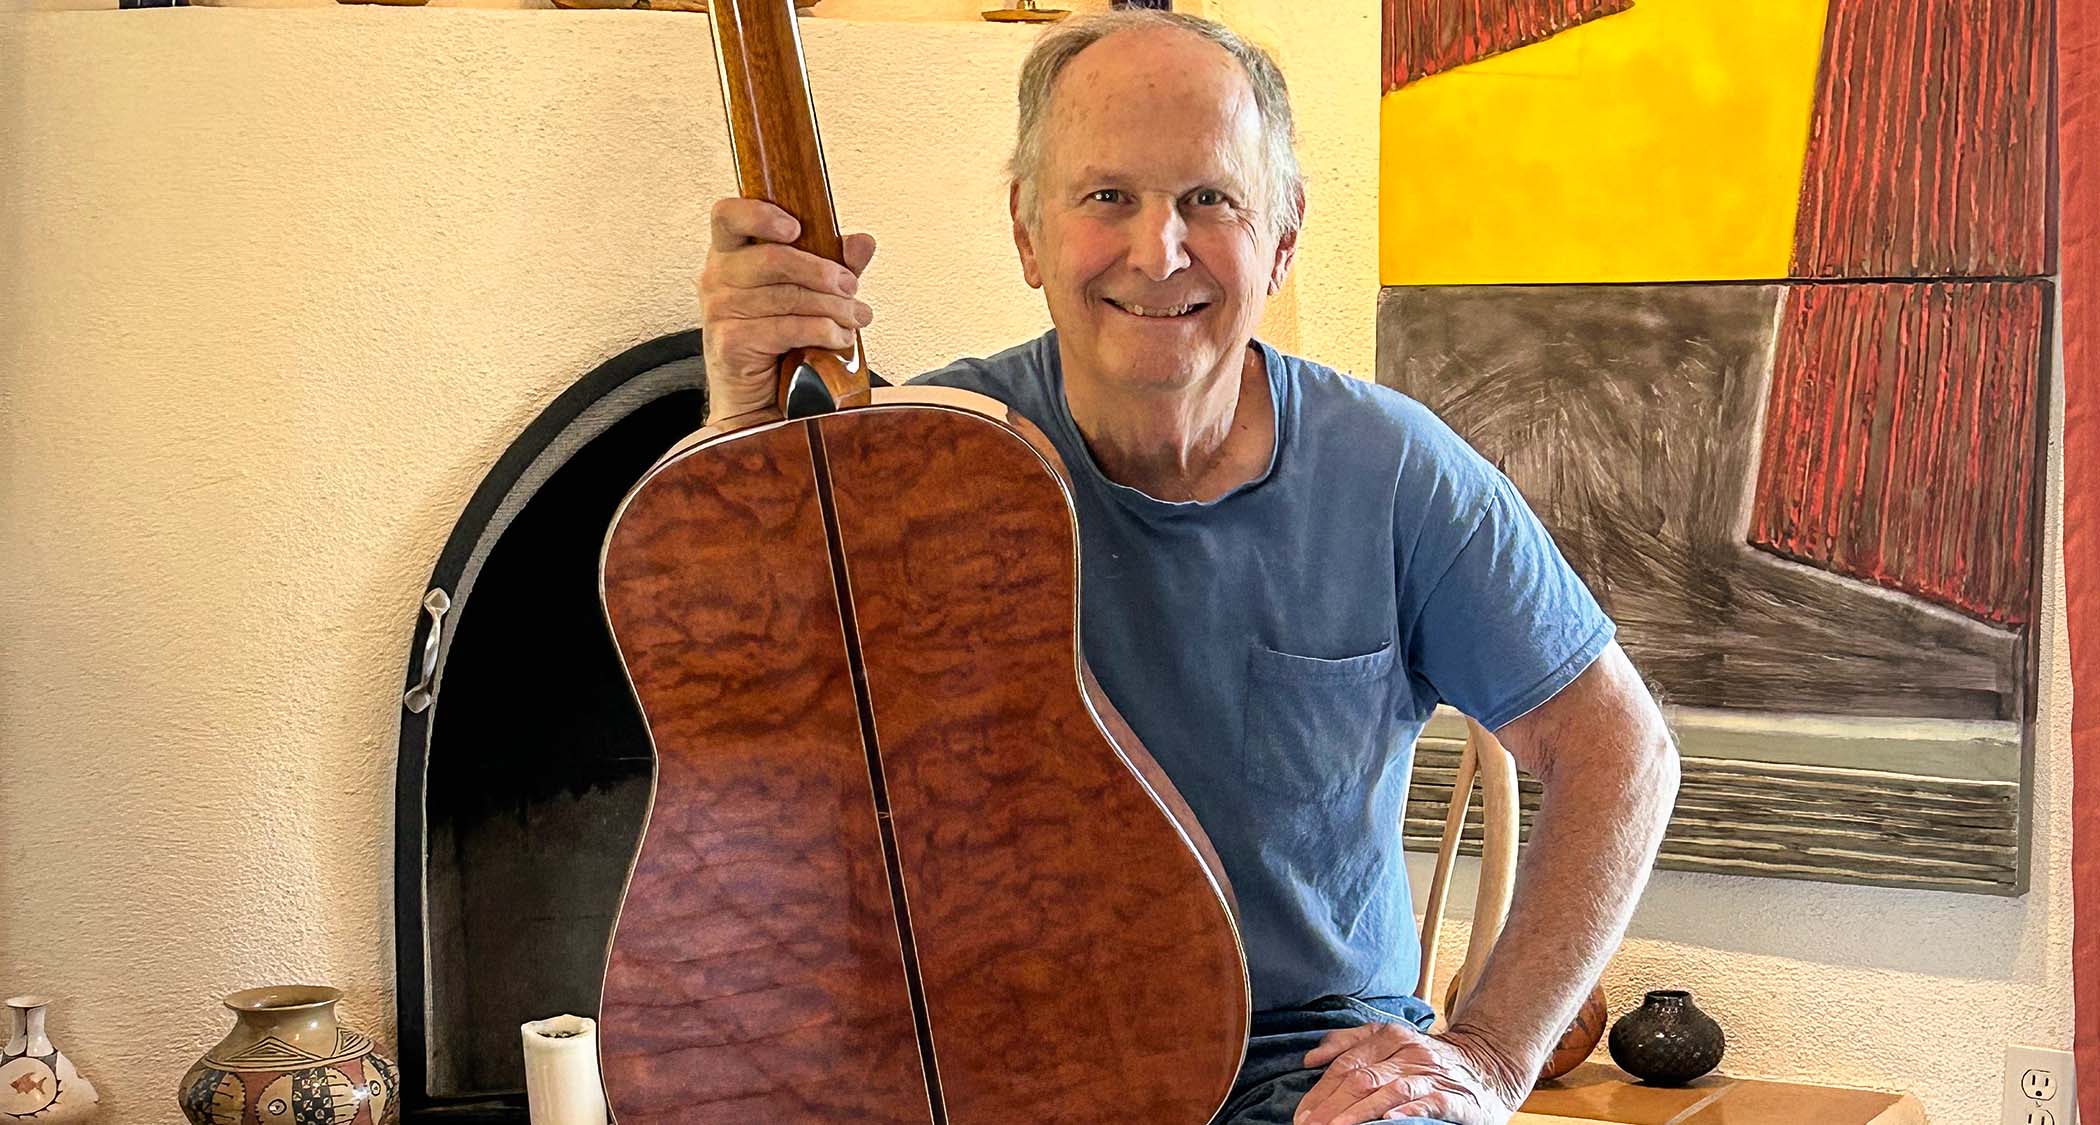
pixel 522 787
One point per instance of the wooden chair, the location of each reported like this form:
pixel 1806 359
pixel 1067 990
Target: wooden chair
pixel 1486 759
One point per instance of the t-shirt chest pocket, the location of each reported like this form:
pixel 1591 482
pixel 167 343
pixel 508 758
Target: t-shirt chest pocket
pixel 1313 726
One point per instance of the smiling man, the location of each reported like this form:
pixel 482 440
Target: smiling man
pixel 1285 571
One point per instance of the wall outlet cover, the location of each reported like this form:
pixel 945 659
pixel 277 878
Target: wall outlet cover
pixel 2040 1086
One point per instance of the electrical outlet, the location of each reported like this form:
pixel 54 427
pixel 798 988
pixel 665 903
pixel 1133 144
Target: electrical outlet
pixel 2040 1087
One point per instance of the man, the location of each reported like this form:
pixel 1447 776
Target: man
pixel 1285 571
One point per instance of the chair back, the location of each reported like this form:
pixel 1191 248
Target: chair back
pixel 1486 760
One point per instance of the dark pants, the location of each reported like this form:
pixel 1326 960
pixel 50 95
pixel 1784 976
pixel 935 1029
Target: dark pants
pixel 1274 1079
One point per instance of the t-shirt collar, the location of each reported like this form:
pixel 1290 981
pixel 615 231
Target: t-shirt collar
pixel 1139 501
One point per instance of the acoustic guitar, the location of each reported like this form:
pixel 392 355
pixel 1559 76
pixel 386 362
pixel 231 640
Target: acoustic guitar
pixel 903 861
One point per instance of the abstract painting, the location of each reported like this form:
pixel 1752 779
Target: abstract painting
pixel 1753 303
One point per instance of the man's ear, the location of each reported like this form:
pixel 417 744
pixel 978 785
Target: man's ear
pixel 1287 244
pixel 1023 241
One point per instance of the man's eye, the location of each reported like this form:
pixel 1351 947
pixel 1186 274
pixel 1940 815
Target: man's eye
pixel 1208 197
pixel 1105 195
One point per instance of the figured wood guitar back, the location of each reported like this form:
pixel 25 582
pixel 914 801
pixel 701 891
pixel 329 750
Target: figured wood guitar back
pixel 903 864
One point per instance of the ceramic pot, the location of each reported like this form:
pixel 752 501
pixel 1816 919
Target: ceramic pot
pixel 287 1063
pixel 1580 1039
pixel 1667 1041
pixel 36 1080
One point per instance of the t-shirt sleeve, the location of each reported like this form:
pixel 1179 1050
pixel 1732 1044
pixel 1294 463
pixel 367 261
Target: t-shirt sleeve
pixel 1507 623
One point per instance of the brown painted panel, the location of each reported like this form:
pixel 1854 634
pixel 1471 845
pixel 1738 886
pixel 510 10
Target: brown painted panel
pixel 1929 152
pixel 1901 439
pixel 1627 415
pixel 1424 37
pixel 1079 964
pixel 754 973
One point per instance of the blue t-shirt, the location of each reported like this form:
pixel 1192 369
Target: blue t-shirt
pixel 1278 649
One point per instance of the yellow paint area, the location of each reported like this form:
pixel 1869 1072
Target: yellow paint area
pixel 1663 143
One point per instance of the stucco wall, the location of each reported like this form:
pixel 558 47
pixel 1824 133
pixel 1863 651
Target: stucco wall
pixel 278 285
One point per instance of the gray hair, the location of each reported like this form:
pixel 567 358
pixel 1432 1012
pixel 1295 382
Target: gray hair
pixel 1281 180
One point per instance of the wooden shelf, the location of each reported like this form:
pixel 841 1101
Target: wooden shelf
pixel 1595 1093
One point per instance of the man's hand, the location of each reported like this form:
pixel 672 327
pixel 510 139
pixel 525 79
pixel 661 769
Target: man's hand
pixel 761 298
pixel 1386 1070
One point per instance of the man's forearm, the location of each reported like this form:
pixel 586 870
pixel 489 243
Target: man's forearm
pixel 1609 784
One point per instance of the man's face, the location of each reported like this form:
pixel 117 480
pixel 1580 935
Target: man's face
pixel 1151 244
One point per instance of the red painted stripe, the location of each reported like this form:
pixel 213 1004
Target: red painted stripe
pixel 1901 440
pixel 1423 37
pixel 1928 153
pixel 2078 99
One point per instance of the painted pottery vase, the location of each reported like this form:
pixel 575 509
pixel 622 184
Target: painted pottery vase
pixel 286 1062
pixel 1580 1039
pixel 1667 1041
pixel 37 1082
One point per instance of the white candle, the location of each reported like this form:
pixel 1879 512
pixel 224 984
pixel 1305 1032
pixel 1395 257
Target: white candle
pixel 562 1086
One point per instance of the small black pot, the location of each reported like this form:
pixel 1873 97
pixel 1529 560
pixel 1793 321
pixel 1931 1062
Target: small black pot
pixel 1667 1041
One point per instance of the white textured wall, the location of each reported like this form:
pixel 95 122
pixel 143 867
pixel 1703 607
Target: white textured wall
pixel 275 286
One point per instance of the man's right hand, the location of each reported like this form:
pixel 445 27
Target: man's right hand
pixel 761 298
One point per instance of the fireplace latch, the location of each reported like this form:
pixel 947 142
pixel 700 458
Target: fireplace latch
pixel 417 699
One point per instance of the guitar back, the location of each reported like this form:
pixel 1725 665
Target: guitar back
pixel 896 868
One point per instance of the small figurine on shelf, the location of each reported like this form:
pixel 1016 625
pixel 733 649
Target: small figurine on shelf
pixel 1025 11
pixel 36 1081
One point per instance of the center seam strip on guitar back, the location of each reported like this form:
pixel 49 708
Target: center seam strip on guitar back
pixel 878 784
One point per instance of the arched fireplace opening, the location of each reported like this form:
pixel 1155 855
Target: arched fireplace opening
pixel 524 763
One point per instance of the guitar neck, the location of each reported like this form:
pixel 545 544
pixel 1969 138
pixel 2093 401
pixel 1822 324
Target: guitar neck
pixel 772 119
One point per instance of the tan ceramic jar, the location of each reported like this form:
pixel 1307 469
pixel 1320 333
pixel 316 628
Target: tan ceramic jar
pixel 286 1062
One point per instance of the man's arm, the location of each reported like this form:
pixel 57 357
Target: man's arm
pixel 1609 771
pixel 1604 757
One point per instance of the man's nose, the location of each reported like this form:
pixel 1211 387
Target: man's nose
pixel 1159 240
